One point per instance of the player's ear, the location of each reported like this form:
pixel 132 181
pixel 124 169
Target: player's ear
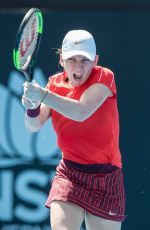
pixel 96 60
pixel 61 62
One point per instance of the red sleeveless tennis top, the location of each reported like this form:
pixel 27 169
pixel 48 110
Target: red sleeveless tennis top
pixel 95 140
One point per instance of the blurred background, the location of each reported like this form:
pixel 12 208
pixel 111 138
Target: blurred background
pixel 28 161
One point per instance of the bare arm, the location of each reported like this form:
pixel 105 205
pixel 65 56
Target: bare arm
pixel 33 124
pixel 90 101
pixel 80 110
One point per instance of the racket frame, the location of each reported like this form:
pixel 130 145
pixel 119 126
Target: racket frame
pixel 28 69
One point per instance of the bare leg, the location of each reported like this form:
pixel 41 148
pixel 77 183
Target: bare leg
pixel 97 223
pixel 66 216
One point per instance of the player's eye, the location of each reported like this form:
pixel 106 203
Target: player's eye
pixel 85 60
pixel 71 59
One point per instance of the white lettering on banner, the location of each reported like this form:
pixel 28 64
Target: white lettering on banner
pixel 27 161
pixel 28 187
pixel 6 195
pixel 31 195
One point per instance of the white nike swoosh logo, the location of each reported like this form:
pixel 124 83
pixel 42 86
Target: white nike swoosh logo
pixel 78 42
pixel 112 213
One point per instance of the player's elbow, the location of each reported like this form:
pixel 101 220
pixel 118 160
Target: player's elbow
pixel 82 115
pixel 82 118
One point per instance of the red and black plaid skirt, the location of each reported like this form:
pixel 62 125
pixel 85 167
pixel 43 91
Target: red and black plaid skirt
pixel 99 193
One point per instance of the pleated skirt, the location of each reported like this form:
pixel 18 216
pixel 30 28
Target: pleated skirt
pixel 99 193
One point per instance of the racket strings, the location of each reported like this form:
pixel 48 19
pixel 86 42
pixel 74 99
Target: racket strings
pixel 28 41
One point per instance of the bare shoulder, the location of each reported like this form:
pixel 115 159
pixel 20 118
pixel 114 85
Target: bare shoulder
pixel 108 71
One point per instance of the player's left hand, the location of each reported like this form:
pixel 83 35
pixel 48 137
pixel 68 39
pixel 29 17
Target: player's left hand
pixel 28 104
pixel 33 91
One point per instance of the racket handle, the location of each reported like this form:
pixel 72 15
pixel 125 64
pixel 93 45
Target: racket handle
pixel 27 77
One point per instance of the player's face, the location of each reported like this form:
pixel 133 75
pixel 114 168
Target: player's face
pixel 78 69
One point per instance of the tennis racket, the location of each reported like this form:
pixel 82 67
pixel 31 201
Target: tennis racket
pixel 27 43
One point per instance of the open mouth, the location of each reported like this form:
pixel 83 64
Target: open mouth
pixel 77 76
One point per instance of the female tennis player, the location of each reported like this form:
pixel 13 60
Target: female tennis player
pixel 82 102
